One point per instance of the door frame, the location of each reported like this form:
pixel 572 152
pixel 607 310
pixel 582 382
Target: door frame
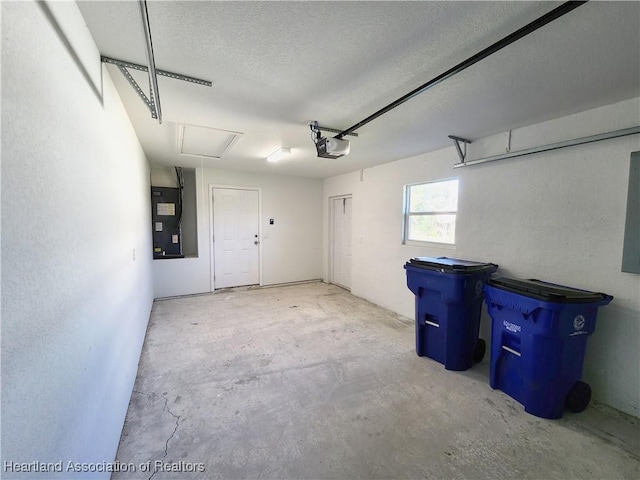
pixel 331 234
pixel 212 256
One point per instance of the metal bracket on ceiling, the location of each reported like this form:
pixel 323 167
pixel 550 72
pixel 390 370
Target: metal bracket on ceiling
pixel 456 142
pixel 123 66
pixel 148 101
pixel 554 146
pixel 162 73
pixel 153 101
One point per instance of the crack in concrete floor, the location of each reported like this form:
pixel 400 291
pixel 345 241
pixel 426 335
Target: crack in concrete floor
pixel 344 397
pixel 166 445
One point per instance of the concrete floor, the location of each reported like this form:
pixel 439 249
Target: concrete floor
pixel 309 382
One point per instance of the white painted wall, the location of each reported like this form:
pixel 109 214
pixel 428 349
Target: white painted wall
pixel 163 177
pixel 557 216
pixel 291 248
pixel 75 205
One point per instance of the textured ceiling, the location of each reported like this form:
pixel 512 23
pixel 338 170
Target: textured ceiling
pixel 276 66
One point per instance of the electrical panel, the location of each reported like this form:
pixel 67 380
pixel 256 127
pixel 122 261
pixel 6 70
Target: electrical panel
pixel 166 217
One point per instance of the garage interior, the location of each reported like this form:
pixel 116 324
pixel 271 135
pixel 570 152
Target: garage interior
pixel 130 339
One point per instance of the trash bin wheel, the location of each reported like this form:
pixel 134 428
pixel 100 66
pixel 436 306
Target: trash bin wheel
pixel 578 397
pixel 478 353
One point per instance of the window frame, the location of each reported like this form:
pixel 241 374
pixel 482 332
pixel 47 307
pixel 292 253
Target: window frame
pixel 406 214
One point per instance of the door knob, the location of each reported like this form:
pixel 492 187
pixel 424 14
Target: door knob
pixel 256 242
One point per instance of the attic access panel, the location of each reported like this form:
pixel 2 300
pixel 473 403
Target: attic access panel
pixel 196 141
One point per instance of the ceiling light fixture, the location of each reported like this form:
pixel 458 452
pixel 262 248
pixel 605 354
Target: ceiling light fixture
pixel 279 155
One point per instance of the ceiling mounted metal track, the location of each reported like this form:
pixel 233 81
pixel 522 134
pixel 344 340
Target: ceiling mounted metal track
pixel 153 100
pixel 154 94
pixel 553 146
pixel 499 45
pixel 162 73
pixel 149 101
pixel 333 130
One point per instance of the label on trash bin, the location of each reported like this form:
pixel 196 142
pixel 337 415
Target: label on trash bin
pixel 578 325
pixel 478 288
pixel 512 327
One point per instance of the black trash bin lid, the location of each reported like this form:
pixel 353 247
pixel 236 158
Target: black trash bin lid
pixel 451 265
pixel 549 292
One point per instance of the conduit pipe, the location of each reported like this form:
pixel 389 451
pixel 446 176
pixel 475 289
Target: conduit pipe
pixel 499 45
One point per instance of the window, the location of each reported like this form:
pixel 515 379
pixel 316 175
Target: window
pixel 430 212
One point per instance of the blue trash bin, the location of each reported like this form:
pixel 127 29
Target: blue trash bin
pixel 539 334
pixel 448 295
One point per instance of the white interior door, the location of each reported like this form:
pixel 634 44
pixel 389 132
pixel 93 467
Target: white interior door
pixel 341 241
pixel 236 227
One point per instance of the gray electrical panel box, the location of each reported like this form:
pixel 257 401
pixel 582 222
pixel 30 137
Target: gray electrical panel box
pixel 631 249
pixel 166 215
